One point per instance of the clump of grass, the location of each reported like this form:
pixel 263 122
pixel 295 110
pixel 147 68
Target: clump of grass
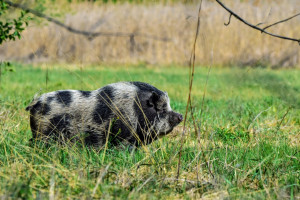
pixel 248 154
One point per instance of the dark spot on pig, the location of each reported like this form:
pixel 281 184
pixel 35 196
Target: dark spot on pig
pixel 33 126
pixel 85 93
pixel 64 97
pixel 35 108
pixel 50 99
pixel 92 138
pixel 146 87
pixel 119 130
pixel 45 109
pixel 146 115
pixel 59 125
pixel 42 108
pixel 103 108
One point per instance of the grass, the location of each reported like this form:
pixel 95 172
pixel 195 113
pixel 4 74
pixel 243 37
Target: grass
pixel 235 44
pixel 249 142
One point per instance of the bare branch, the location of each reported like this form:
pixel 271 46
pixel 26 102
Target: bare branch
pixel 226 24
pixel 89 35
pixel 255 27
pixel 281 21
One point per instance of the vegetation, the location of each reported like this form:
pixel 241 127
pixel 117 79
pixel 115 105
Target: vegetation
pixel 10 29
pixel 248 147
pixel 235 44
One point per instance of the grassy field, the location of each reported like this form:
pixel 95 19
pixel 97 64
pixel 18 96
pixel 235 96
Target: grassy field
pixel 248 147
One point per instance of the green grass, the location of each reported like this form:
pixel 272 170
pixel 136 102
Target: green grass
pixel 249 141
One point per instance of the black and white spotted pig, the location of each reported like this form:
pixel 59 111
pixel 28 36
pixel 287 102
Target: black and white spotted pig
pixel 133 113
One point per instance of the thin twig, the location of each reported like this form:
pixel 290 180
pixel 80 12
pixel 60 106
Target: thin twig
pixel 266 18
pixel 284 20
pixel 190 89
pixel 255 27
pixel 285 114
pixel 89 35
pixel 226 24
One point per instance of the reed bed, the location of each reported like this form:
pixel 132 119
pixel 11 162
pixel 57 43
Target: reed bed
pixel 235 44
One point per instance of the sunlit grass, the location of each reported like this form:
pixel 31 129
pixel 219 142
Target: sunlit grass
pixel 249 137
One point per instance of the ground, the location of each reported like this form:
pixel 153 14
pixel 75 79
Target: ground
pixel 247 144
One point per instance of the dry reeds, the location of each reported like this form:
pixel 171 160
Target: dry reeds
pixel 236 44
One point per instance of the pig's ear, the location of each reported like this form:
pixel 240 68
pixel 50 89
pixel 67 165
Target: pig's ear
pixel 153 99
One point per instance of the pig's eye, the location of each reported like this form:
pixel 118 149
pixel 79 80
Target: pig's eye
pixel 161 110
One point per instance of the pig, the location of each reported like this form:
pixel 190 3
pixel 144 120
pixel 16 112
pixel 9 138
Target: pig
pixel 123 113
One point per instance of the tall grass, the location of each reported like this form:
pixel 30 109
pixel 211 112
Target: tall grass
pixel 250 140
pixel 236 44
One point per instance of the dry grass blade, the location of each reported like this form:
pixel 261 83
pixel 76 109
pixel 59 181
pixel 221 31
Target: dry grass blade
pixel 100 178
pixel 198 135
pixel 52 186
pixel 285 114
pixel 192 68
pixel 254 168
pixel 257 116
pixel 106 141
pixel 144 183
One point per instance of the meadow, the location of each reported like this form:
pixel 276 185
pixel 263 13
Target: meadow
pixel 248 145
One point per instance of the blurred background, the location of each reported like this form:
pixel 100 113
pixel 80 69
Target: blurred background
pixel 157 33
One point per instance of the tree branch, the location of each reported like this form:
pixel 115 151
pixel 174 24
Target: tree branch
pixel 281 21
pixel 226 24
pixel 89 35
pixel 255 27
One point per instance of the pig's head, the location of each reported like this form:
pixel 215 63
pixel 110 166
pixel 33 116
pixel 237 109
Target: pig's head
pixel 166 119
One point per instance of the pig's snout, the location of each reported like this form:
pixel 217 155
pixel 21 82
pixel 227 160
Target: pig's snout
pixel 179 118
pixel 175 118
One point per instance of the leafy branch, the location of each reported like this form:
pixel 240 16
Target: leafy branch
pixel 10 29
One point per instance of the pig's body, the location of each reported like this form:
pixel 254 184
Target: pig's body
pixel 131 113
